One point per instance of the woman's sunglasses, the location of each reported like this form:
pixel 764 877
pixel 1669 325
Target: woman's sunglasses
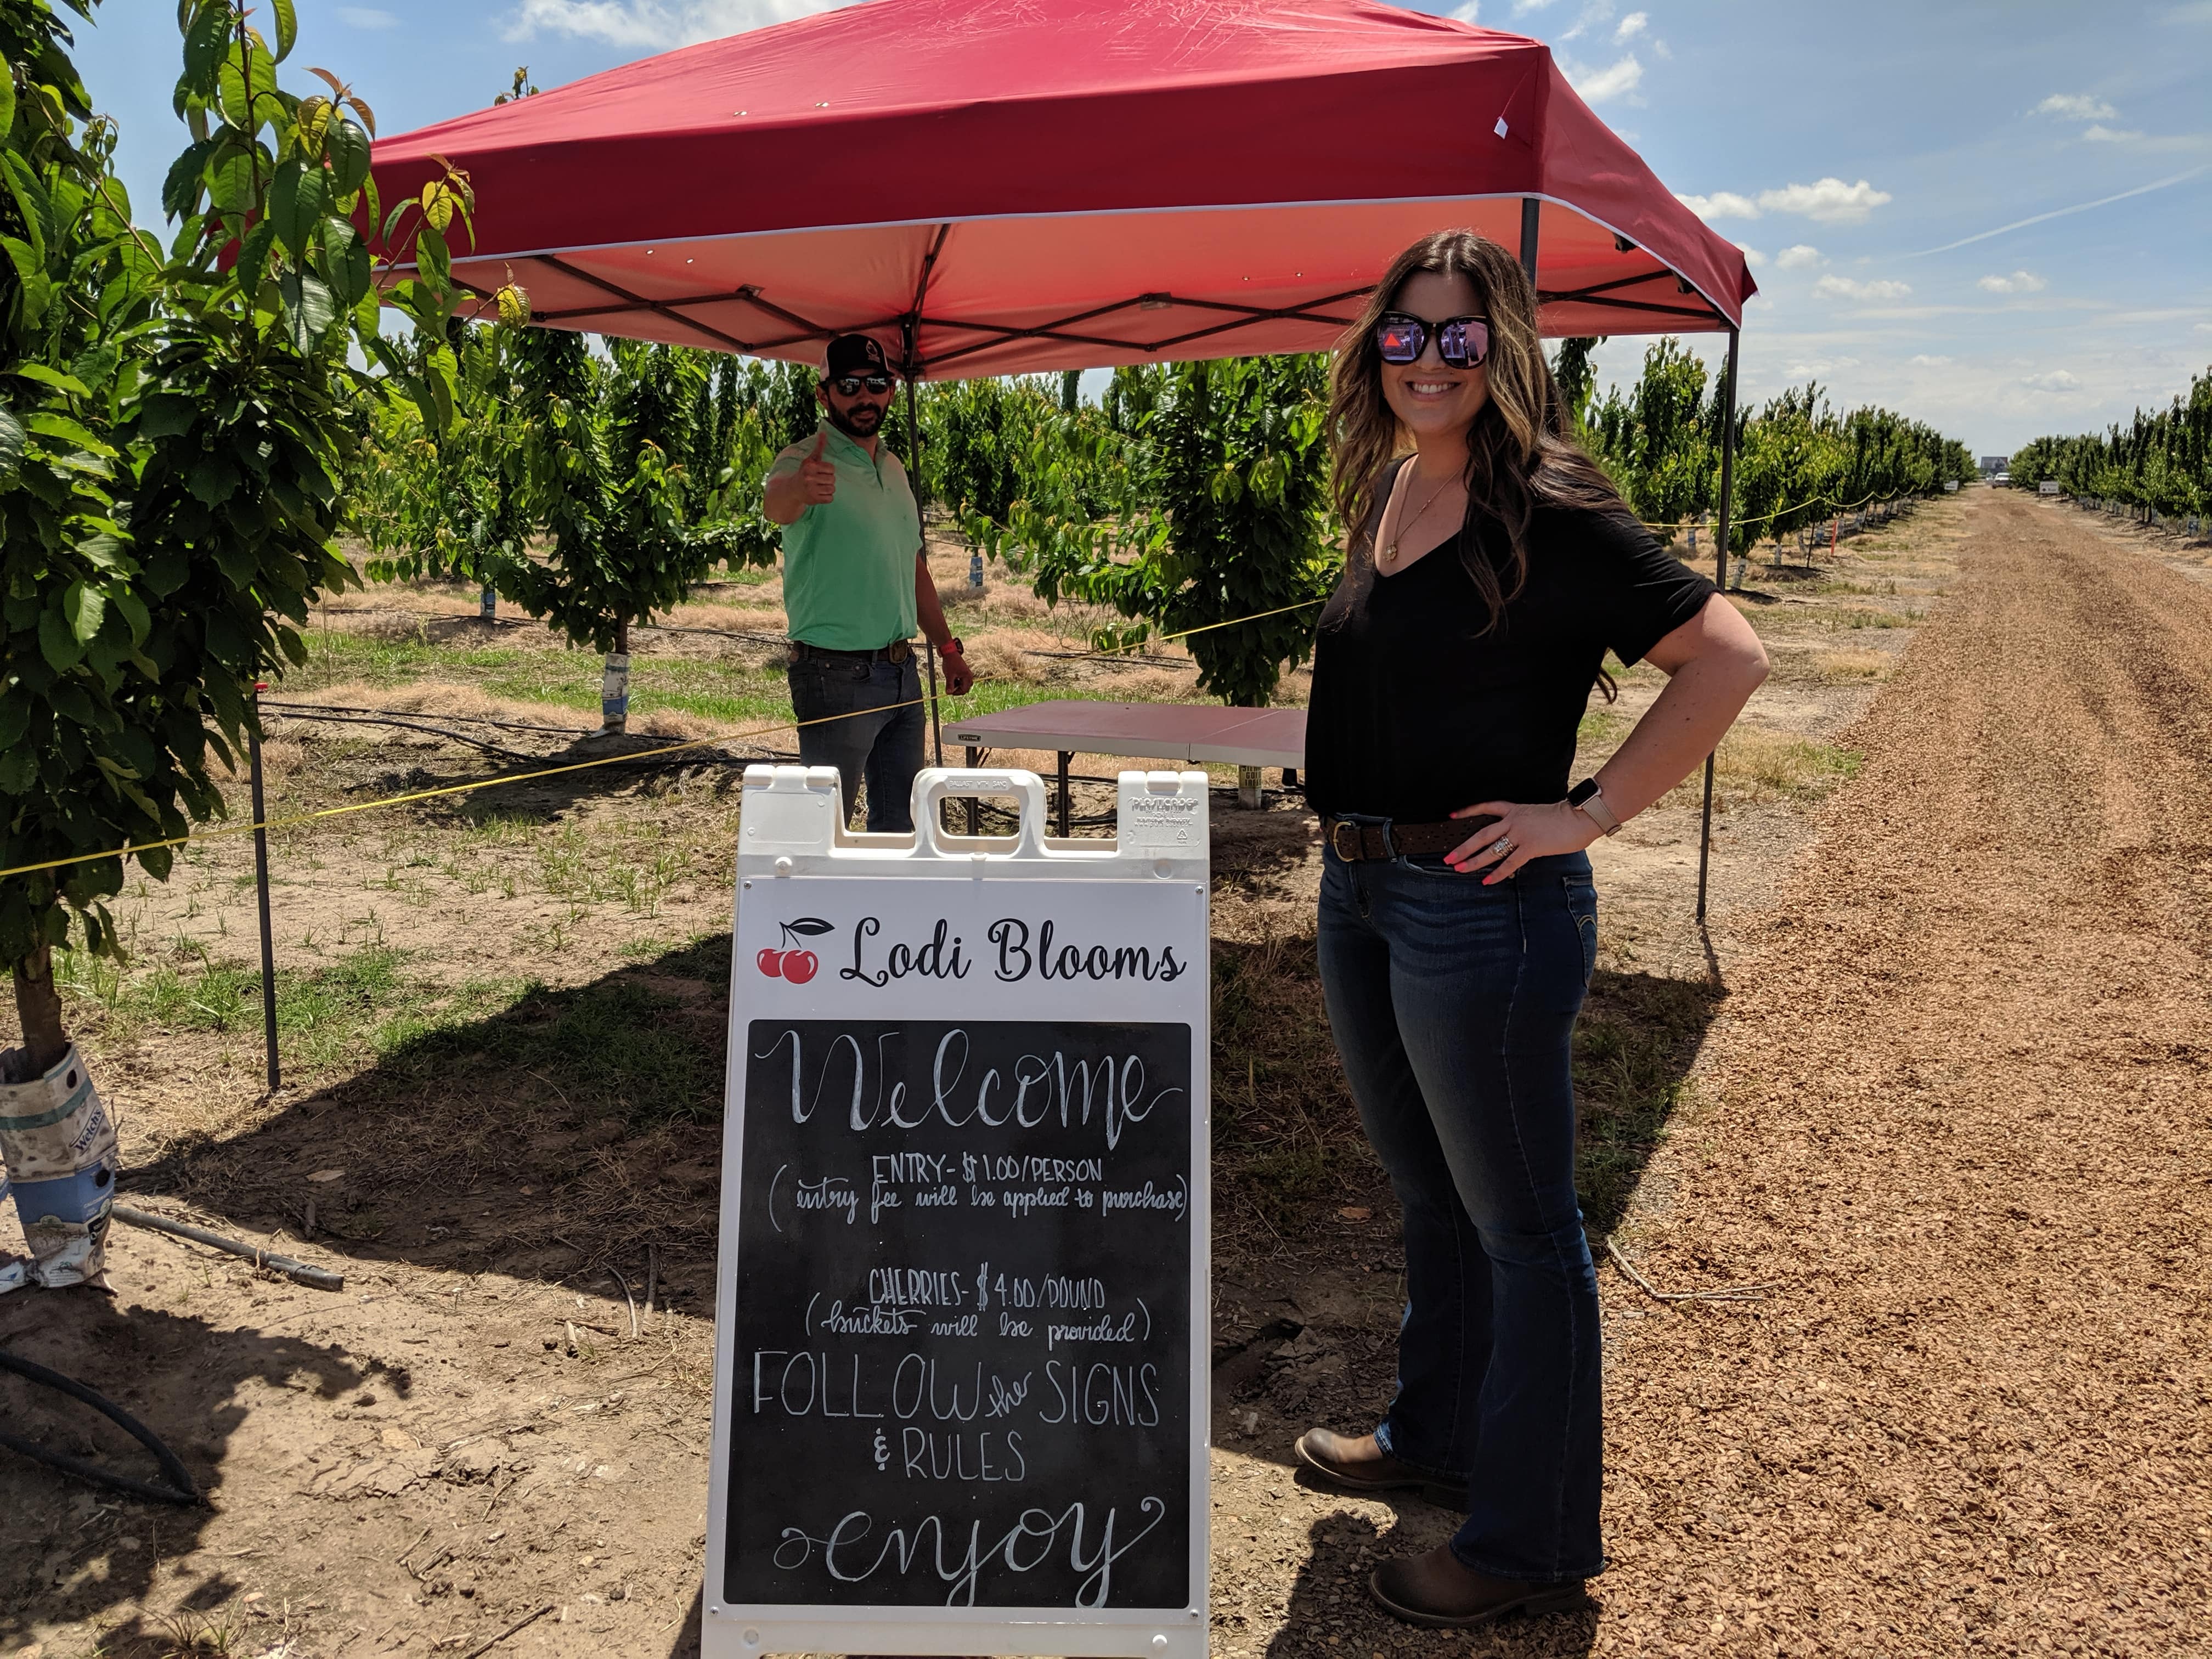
pixel 849 386
pixel 1461 342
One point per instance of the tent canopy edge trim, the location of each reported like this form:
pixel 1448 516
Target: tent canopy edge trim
pixel 1603 295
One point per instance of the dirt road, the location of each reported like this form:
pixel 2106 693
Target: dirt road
pixel 1958 1110
pixel 1953 1107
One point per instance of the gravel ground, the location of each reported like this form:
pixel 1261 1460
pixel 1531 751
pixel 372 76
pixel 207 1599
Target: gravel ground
pixel 1955 1111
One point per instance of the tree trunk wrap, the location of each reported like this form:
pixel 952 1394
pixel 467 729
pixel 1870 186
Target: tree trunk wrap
pixel 614 688
pixel 57 1147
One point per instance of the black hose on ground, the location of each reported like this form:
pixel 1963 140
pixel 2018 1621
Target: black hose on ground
pixel 181 1488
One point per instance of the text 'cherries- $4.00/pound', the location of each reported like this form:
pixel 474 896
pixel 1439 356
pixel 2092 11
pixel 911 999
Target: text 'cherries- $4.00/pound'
pixel 792 962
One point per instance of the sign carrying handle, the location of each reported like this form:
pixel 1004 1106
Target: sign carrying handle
pixel 933 784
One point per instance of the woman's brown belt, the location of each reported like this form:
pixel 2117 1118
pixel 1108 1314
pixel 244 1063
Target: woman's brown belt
pixel 1354 841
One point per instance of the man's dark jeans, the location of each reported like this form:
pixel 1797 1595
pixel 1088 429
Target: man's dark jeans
pixel 1452 1004
pixel 884 746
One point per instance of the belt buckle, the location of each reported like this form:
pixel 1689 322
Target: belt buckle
pixel 898 651
pixel 1337 832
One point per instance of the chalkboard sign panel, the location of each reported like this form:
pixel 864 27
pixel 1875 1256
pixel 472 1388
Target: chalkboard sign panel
pixel 964 1271
pixel 960 1405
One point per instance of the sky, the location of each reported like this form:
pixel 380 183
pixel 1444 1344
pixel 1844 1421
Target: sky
pixel 1995 217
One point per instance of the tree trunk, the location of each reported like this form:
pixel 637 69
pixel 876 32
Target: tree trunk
pixel 39 1005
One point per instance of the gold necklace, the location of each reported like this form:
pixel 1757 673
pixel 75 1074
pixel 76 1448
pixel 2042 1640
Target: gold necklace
pixel 1390 553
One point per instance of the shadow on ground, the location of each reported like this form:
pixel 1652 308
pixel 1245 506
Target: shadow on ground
pixel 70 1551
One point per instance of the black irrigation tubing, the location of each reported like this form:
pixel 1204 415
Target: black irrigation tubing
pixel 338 714
pixel 181 1488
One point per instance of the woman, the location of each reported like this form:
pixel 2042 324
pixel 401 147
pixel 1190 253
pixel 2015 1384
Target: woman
pixel 1488 573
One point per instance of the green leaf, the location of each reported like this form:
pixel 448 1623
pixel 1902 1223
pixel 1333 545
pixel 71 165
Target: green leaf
pixel 213 479
pixel 53 377
pixel 287 29
pixel 58 641
pixel 347 146
pixel 205 39
pixel 309 307
pixel 295 202
pixel 166 415
pixel 48 424
pixel 253 255
pixel 7 103
pixel 431 257
pixel 12 437
pixel 125 598
pixel 345 261
pixel 230 178
pixel 86 608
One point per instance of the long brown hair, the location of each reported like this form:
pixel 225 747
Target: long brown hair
pixel 1521 450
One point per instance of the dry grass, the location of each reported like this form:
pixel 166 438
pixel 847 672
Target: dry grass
pixel 1849 667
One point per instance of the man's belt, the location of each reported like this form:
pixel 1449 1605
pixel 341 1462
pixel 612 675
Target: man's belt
pixel 1354 841
pixel 896 650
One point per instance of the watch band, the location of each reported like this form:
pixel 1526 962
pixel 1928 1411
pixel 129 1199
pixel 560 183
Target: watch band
pixel 1588 798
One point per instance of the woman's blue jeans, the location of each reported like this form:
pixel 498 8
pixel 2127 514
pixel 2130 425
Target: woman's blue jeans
pixel 1452 1004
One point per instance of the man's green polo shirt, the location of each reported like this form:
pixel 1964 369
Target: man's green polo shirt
pixel 849 563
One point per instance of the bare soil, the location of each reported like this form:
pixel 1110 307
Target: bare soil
pixel 1935 1074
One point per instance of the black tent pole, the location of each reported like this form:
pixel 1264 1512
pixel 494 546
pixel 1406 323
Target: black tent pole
pixel 1720 579
pixel 1529 209
pixel 921 528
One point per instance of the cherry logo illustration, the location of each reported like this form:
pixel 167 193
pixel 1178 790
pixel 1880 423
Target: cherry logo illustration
pixel 795 962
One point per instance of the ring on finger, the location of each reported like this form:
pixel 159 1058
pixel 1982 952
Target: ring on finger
pixel 1502 846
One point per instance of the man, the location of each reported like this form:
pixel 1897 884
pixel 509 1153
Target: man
pixel 855 582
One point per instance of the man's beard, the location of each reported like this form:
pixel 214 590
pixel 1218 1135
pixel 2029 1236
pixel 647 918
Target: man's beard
pixel 861 421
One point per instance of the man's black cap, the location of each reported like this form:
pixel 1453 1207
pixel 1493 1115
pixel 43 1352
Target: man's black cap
pixel 854 354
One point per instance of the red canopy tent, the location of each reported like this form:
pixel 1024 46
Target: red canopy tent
pixel 1019 185
pixel 995 187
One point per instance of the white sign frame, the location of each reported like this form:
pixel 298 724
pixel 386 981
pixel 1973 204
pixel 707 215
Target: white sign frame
pixel 793 840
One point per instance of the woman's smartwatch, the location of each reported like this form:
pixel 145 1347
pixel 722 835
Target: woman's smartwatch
pixel 1589 800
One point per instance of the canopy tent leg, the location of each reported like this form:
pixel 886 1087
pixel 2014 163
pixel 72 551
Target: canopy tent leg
pixel 921 531
pixel 1719 577
pixel 1530 208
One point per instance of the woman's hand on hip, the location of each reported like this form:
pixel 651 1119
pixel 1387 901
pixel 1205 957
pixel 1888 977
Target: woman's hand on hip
pixel 1522 832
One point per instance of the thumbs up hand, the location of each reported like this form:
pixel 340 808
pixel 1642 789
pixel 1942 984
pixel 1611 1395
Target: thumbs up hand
pixel 818 477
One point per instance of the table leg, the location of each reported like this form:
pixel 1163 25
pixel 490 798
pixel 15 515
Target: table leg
pixel 1290 777
pixel 975 804
pixel 1064 756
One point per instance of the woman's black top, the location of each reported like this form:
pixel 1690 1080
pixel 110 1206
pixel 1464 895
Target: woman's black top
pixel 1417 711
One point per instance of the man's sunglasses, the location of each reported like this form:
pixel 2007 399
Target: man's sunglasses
pixel 1461 342
pixel 849 386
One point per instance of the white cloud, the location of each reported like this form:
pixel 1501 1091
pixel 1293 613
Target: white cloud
pixel 2056 381
pixel 1821 366
pixel 1721 204
pixel 1631 26
pixel 1842 288
pixel 1662 49
pixel 1831 201
pixel 1926 361
pixel 652 22
pixel 1614 80
pixel 1469 13
pixel 2105 135
pixel 2020 281
pixel 2077 106
pixel 1752 256
pixel 2201 328
pixel 1801 257
pixel 367 17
